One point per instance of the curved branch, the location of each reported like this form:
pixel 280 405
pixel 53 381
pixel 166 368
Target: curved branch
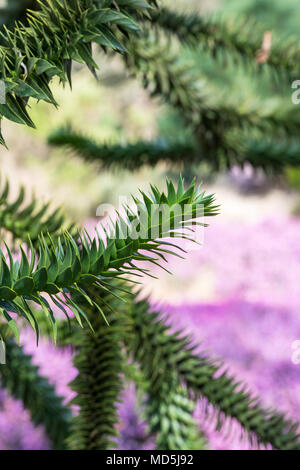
pixel 153 345
pixel 68 266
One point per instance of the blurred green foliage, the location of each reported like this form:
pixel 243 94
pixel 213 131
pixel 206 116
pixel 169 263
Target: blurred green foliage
pixel 282 17
pixel 115 109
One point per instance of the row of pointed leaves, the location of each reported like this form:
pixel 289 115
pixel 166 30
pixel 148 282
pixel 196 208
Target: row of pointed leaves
pixel 131 156
pixel 240 36
pixel 167 410
pixel 270 154
pixel 102 368
pixel 257 421
pixel 20 376
pixel 27 220
pixel 68 265
pixel 61 31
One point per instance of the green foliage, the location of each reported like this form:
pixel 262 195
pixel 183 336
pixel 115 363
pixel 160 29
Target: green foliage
pixel 131 156
pixel 22 379
pixel 65 267
pixel 169 413
pixel 162 72
pixel 283 18
pixel 210 119
pixel 100 361
pixel 161 354
pixel 98 384
pixel 15 10
pixel 269 154
pixel 87 274
pixel 57 34
pixel 241 37
pixel 28 221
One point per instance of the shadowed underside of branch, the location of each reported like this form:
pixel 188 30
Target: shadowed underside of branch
pixel 169 78
pixel 158 352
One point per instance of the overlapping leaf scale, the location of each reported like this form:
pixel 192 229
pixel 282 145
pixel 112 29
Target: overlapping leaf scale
pixel 130 156
pixel 98 385
pixel 240 36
